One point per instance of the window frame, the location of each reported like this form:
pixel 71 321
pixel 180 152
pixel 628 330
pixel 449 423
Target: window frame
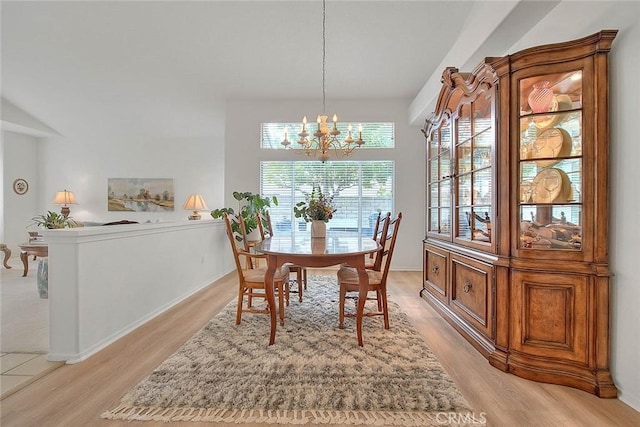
pixel 369 197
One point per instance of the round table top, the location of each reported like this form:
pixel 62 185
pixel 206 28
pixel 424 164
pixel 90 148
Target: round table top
pixel 306 245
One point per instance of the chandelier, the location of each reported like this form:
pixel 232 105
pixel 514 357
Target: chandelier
pixel 325 140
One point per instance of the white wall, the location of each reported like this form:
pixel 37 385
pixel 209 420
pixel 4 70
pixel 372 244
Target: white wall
pixel 243 156
pixel 83 165
pixel 568 21
pixel 2 189
pixel 20 160
pixel 106 281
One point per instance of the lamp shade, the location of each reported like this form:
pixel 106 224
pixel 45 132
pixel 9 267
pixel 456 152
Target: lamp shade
pixel 64 198
pixel 195 203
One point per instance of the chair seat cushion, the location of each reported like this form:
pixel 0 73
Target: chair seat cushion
pixel 294 267
pixel 369 264
pixel 349 276
pixel 256 275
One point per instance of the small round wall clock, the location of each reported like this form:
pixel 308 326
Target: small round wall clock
pixel 20 186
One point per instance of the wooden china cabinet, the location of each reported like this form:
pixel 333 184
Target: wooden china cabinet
pixel 516 247
pixel 460 248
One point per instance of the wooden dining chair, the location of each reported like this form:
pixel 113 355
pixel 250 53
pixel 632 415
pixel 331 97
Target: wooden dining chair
pixel 250 277
pixel 266 230
pixel 374 262
pixel 349 282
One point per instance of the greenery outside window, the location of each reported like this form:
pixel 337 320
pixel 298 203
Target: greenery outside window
pixel 360 189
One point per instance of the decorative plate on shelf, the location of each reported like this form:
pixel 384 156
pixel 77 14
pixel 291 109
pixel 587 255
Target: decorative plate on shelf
pixel 551 186
pixel 551 143
pixel 564 102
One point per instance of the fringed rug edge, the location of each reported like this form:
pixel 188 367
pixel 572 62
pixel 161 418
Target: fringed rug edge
pixel 306 416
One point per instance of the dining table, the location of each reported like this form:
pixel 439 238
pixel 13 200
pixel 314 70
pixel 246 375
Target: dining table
pixel 334 249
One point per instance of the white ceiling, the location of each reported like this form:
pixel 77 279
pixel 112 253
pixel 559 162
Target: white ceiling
pixel 165 69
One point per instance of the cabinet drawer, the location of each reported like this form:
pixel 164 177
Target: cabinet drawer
pixel 435 272
pixel 472 292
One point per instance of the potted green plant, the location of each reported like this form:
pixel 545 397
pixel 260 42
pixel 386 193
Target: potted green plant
pixel 248 205
pixel 53 220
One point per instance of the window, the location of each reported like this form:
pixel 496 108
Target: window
pixel 360 189
pixel 375 135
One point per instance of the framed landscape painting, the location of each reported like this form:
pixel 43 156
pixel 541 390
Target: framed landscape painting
pixel 140 194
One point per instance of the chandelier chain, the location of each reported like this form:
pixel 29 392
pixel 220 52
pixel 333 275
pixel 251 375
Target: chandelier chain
pixel 325 138
pixel 324 55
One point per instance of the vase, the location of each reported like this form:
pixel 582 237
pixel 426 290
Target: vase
pixel 318 246
pixel 42 281
pixel 319 229
pixel 254 235
pixel 541 97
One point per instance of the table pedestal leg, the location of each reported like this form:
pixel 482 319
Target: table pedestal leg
pixel 24 257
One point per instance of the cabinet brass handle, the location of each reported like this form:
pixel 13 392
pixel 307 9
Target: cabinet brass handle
pixel 467 287
pixel 435 269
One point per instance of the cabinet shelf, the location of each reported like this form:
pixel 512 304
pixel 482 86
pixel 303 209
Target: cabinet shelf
pixel 566 203
pixel 546 159
pixel 524 115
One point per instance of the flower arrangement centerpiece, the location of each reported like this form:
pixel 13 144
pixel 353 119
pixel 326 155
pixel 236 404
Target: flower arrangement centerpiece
pixel 317 209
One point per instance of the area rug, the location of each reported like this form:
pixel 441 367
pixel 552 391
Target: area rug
pixel 315 373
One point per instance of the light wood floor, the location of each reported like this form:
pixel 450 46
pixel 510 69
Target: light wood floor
pixel 76 395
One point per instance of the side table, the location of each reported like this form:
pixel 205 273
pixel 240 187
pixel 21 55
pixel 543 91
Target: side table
pixel 35 249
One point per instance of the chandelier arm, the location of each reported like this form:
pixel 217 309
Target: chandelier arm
pixel 339 149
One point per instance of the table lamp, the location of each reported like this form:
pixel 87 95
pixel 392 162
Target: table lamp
pixel 64 198
pixel 195 203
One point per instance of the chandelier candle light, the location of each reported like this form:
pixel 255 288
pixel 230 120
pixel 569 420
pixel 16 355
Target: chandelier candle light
pixel 324 139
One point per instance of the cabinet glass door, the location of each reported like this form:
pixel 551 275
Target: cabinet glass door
pixel 550 161
pixel 474 174
pixel 439 181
